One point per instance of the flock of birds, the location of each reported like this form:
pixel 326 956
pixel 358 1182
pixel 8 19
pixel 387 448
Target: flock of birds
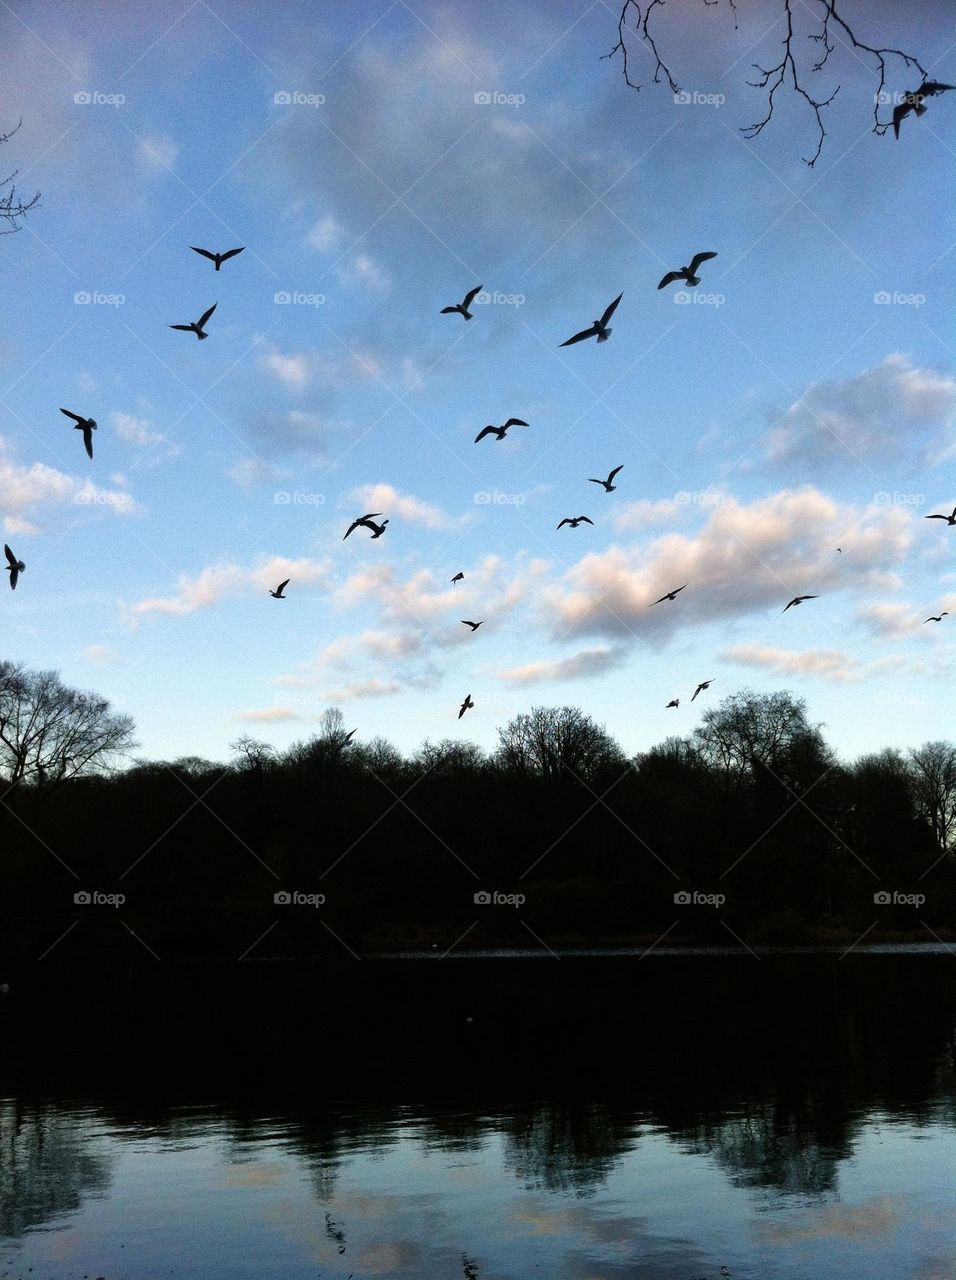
pixel 598 329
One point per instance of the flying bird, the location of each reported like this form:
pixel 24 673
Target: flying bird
pixel 462 307
pixel 86 425
pixel 670 596
pixel 598 328
pixel 458 577
pixel 951 520
pixel 474 625
pixel 368 522
pixel 500 432
pixel 198 326
pixel 609 485
pixel 277 594
pixel 689 273
pixel 704 684
pixel 798 600
pixel 940 618
pixel 574 521
pixel 217 258
pixel 465 706
pixel 14 566
pixel 674 702
pixel 914 101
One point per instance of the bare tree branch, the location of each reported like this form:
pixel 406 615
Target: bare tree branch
pixel 11 206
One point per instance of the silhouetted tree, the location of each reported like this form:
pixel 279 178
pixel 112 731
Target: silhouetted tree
pixel 557 743
pixel 933 773
pixel 12 207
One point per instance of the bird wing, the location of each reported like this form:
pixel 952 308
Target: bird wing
pixel 372 515
pixel 187 328
pixel 903 109
pixel 515 422
pixel 935 517
pixel 615 471
pixel 674 593
pixel 470 297
pixel 206 314
pixel 11 558
pixel 205 253
pixel 282 585
pixel 809 597
pixel 353 525
pixel 447 311
pixel 579 337
pixel 88 440
pixel 231 253
pixel 586 519
pixel 611 309
pixel 466 623
pixel 697 259
pixel 485 431
pixel 564 521
pixel 75 416
pixel 784 610
pixel 932 87
pixel 670 278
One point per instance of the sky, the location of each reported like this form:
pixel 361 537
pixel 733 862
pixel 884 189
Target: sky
pixel 377 161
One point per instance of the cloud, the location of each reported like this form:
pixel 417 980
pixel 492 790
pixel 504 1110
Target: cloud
pixel 891 620
pixel 140 431
pixel 248 472
pixel 158 153
pixel 101 654
pixel 218 582
pixel 589 662
pixel 828 664
pixel 364 689
pixel 25 490
pixel 405 506
pixel 885 415
pixel 326 236
pixel 268 715
pixel 747 557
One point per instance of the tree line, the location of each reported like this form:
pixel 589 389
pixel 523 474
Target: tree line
pixel 750 829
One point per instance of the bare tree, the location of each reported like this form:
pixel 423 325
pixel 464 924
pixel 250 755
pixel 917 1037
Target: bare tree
pixel 251 754
pixel 933 775
pixel 748 732
pixel 50 733
pixel 557 742
pixel 791 73
pixel 12 206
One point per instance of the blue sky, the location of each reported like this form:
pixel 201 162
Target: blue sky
pixel 777 413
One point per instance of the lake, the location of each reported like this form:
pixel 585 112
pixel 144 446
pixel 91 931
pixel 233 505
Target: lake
pixel 593 1117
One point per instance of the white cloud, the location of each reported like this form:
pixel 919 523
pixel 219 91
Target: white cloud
pixel 364 689
pixel 25 490
pixel 158 153
pixel 829 664
pixel 405 506
pixel 268 715
pixel 589 662
pixel 218 582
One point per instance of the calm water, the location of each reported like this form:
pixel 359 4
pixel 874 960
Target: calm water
pixel 791 1116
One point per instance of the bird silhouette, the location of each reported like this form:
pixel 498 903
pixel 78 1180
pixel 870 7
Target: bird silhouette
pixel 14 566
pixel 598 328
pixel 950 520
pixel 574 521
pixel 462 307
pixel 669 596
pixel 689 273
pixel 277 594
pixel 465 706
pixel 674 702
pixel 368 522
pixel 500 432
pixel 798 600
pixel 609 485
pixel 217 258
pixel 474 625
pixel 939 618
pixel 86 425
pixel 704 684
pixel 914 101
pixel 459 577
pixel 198 326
